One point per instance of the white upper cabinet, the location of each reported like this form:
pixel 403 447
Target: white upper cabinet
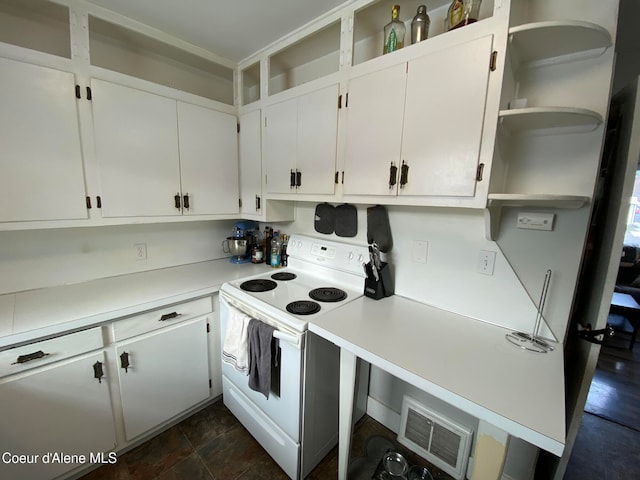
pixel 423 136
pixel 136 143
pixel 40 155
pixel 250 163
pixel 300 141
pixel 160 157
pixel 208 160
pixel 374 130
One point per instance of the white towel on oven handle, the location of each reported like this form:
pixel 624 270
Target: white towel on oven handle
pixel 235 350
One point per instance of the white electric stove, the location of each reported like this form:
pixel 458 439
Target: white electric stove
pixel 298 424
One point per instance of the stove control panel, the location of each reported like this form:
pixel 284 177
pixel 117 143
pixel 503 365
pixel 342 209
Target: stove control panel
pixel 327 253
pixel 323 251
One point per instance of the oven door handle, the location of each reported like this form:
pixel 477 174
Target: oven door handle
pixel 294 340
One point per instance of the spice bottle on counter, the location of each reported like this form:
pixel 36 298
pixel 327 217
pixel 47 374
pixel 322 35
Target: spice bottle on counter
pixel 275 250
pixel 266 244
pixel 284 258
pixel 394 32
pixel 420 25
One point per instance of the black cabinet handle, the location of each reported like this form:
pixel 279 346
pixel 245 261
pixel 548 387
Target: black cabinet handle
pixel 185 201
pixel 124 361
pixel 292 179
pixel 257 202
pixel 393 174
pixel 89 96
pixel 298 178
pixel 176 200
pixel 30 356
pixel 78 94
pixel 169 316
pixel 404 174
pixel 98 371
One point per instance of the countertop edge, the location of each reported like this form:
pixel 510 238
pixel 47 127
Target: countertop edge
pixel 206 279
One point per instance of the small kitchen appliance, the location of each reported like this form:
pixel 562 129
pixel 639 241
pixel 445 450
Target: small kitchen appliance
pixel 240 243
pixel 298 423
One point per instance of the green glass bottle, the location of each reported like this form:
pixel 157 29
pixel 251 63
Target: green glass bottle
pixel 394 32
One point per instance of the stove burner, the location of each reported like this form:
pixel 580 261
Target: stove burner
pixel 328 294
pixel 283 276
pixel 258 285
pixel 303 307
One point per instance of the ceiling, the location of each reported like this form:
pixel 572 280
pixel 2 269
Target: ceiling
pixel 232 29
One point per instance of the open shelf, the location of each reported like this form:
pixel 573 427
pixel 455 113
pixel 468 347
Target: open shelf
pixel 315 56
pixel 540 41
pixel 251 84
pixel 549 120
pixel 369 22
pixel 36 24
pixel 536 200
pixel 122 50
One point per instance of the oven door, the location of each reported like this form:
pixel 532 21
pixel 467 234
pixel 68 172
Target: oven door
pixel 284 403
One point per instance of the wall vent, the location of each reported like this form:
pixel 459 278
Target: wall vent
pixel 435 437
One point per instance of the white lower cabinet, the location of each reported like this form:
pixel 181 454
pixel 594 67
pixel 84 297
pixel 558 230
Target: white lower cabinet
pixel 162 374
pixel 68 401
pixel 51 411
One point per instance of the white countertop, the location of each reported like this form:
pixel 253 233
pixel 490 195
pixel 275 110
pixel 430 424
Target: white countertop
pixel 465 362
pixel 44 312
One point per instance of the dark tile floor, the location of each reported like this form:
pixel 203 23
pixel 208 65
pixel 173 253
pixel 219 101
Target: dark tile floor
pixel 213 445
pixel 608 442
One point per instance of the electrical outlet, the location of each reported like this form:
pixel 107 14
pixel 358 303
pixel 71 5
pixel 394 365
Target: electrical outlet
pixel 486 262
pixel 140 251
pixel 419 251
pixel 536 221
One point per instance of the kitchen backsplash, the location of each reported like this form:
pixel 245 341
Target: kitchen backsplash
pixel 449 279
pixel 43 258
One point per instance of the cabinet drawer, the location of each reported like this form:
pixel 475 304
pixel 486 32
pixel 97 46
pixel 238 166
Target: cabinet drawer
pixel 160 318
pixel 36 354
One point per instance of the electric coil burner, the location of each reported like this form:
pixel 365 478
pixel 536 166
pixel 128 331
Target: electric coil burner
pixel 303 307
pixel 284 276
pixel 328 294
pixel 258 285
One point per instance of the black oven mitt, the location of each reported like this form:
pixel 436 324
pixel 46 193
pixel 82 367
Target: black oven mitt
pixel 378 228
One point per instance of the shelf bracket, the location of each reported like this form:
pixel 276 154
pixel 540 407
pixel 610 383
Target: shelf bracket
pixel 492 216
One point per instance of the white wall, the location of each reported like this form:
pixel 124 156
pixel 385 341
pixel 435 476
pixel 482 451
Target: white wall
pixel 449 279
pixel 42 258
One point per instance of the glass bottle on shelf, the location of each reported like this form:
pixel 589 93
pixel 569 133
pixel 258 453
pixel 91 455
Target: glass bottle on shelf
pixel 394 32
pixel 420 25
pixel 461 13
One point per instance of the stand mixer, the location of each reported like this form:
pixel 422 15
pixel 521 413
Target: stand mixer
pixel 241 242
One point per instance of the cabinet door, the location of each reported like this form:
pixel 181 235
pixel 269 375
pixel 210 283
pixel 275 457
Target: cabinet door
pixel 280 133
pixel 317 140
pixel 374 130
pixel 444 112
pixel 40 155
pixel 59 408
pixel 136 144
pixel 208 160
pixel 168 374
pixel 250 163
